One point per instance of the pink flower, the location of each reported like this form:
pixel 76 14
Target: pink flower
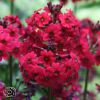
pixel 81 46
pixel 15 49
pixel 68 20
pixel 47 57
pixel 5 39
pixel 87 59
pixel 13 32
pixel 28 59
pixel 53 31
pixel 42 19
pixel 36 36
pixel 13 20
pixel 3 52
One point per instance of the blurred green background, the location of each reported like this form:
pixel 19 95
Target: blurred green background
pixel 24 8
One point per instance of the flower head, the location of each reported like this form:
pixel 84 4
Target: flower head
pixel 42 19
pixel 68 20
pixel 47 57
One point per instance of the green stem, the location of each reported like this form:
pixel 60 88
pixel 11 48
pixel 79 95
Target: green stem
pixel 11 7
pixel 86 85
pixel 50 97
pixel 10 58
pixel 75 8
pixel 49 94
pixel 10 71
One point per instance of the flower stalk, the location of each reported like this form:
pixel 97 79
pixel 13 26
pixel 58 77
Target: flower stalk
pixel 11 58
pixel 50 97
pixel 86 85
pixel 49 94
pixel 11 7
pixel 10 70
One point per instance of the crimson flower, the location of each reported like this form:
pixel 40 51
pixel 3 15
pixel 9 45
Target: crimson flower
pixel 87 59
pixel 42 19
pixel 3 52
pixel 47 57
pixel 68 20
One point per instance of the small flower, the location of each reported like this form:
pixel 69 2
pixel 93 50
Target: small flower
pixel 12 20
pixel 3 52
pixel 68 20
pixel 28 59
pixel 15 49
pixel 87 60
pixel 53 31
pixel 42 19
pixel 47 57
pixel 5 39
pixel 13 32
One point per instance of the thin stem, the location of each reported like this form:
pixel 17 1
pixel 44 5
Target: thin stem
pixel 50 97
pixel 6 76
pixel 20 83
pixel 12 7
pixel 10 70
pixel 86 85
pixel 10 73
pixel 75 8
pixel 49 94
pixel 10 58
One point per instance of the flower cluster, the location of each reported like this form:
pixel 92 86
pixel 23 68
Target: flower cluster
pixel 51 48
pixel 93 37
pixel 10 34
pixel 55 45
pixel 49 56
